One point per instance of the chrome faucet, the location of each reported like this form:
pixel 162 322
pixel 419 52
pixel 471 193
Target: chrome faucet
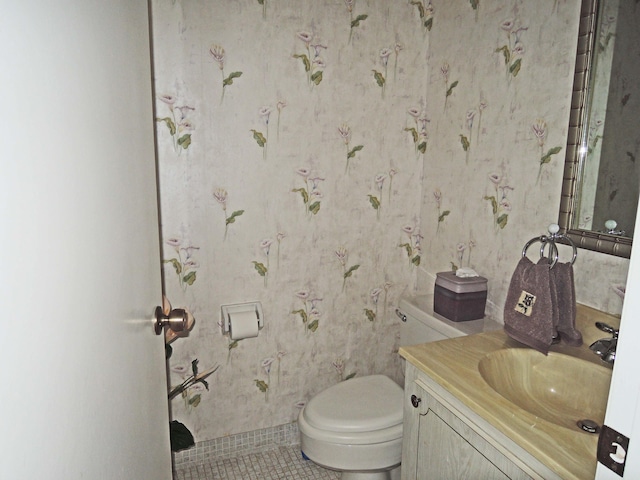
pixel 606 347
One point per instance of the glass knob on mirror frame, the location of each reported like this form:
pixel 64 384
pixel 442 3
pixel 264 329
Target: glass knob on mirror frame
pixel 610 228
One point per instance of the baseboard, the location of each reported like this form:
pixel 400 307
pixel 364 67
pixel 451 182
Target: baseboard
pixel 238 444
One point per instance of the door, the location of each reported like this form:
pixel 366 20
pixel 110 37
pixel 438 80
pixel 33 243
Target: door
pixel 82 374
pixel 623 408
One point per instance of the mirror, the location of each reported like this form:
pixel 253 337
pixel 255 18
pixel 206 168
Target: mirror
pixel 601 178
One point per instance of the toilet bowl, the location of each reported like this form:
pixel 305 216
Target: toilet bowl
pixel 355 427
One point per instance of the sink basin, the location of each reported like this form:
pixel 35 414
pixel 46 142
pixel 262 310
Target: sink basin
pixel 557 388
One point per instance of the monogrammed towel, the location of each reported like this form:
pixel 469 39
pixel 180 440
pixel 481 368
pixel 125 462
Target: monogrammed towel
pixel 528 311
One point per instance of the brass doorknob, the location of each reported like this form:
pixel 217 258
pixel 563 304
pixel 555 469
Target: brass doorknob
pixel 176 320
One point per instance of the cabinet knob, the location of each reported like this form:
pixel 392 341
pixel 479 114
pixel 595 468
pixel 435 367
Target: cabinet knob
pixel 415 401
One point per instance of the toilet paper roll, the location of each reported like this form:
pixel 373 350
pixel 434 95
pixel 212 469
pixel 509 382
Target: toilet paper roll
pixel 243 325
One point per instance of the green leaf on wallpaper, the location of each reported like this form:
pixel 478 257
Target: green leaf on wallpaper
pixel 313 326
pixel 414 133
pixel 474 4
pixel 233 344
pixel 594 144
pixel 422 147
pixel 303 192
pixel 353 151
pixel 505 52
pixel 189 278
pixel 185 140
pixel 375 203
pixel 420 8
pixel 314 207
pixel 451 87
pixel 596 140
pixel 348 273
pixel 350 376
pixel 371 315
pixel 229 79
pixel 317 77
pixel 261 2
pixel 494 203
pixel 260 268
pixel 465 143
pixel 379 78
pixel 502 220
pixel 443 215
pixel 176 264
pixel 195 400
pixel 429 23
pixel 407 247
pixel 259 138
pixel 305 61
pixel 515 67
pixel 356 21
pixel 547 157
pixel 170 125
pixel 416 260
pixel 233 216
pixel 603 43
pixel 302 313
pixel 262 385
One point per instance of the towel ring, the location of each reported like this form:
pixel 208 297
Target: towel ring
pixel 550 240
pixel 544 240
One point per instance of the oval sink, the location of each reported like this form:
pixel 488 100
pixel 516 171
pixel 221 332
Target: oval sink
pixel 557 388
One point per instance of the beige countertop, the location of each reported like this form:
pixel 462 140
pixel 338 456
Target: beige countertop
pixel 453 364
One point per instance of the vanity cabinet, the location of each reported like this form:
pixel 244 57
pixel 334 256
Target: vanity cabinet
pixel 443 439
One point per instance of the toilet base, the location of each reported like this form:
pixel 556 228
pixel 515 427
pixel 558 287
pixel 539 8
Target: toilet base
pixel 385 475
pixel 365 476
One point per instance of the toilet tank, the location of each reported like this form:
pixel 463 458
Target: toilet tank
pixel 420 324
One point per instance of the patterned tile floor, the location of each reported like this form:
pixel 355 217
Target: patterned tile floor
pixel 283 463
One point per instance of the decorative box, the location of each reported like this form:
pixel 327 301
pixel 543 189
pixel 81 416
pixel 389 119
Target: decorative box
pixel 459 299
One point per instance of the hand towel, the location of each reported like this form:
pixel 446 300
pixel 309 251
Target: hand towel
pixel 555 313
pixel 528 311
pixel 565 306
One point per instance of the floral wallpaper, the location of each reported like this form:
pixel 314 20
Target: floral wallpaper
pixel 324 157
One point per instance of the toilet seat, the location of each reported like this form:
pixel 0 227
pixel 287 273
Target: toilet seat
pixel 360 411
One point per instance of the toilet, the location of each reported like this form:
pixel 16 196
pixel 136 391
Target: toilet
pixel 355 426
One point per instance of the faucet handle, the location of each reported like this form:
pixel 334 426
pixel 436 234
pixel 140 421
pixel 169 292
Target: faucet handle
pixel 607 328
pixel 600 347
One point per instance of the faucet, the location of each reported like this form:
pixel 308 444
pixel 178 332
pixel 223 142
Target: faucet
pixel 606 347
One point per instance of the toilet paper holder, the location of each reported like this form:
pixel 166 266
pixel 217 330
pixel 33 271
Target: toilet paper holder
pixel 227 310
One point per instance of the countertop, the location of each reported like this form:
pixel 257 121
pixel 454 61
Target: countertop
pixel 453 364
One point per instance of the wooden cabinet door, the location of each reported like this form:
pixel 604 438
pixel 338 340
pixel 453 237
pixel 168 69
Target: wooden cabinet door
pixel 443 453
pixel 439 445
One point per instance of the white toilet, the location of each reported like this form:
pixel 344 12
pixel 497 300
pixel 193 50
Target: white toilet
pixel 355 426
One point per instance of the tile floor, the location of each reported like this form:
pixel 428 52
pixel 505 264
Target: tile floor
pixel 282 463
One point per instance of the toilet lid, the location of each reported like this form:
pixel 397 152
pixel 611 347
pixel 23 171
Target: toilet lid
pixel 361 404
